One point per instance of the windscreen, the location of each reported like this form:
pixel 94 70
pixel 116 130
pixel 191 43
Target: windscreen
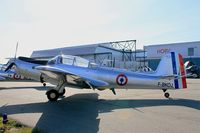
pixel 75 60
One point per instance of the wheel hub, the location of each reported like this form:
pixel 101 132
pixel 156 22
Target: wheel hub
pixel 52 95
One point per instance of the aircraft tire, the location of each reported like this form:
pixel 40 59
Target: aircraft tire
pixel 167 95
pixel 62 93
pixel 52 95
pixel 44 84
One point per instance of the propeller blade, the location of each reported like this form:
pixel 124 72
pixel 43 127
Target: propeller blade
pixel 9 67
pixel 16 51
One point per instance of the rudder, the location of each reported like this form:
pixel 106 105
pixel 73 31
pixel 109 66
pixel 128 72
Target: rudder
pixel 179 70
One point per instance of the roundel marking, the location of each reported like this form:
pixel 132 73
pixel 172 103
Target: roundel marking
pixel 121 79
pixel 15 76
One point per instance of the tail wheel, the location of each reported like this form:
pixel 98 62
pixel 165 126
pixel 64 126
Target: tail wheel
pixel 62 93
pixel 52 95
pixel 167 95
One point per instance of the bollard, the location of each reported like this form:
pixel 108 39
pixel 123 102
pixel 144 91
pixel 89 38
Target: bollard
pixel 5 118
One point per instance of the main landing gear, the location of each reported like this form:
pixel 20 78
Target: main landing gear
pixel 59 90
pixel 62 93
pixel 53 95
pixel 166 94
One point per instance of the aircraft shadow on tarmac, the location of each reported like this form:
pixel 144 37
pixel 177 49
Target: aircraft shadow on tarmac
pixel 79 112
pixel 40 88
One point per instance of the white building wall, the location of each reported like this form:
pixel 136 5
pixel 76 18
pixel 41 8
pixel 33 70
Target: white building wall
pixel 157 51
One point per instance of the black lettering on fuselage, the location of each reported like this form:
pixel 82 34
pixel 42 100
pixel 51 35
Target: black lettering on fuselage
pixel 165 85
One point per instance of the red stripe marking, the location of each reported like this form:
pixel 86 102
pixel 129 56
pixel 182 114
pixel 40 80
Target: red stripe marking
pixel 182 71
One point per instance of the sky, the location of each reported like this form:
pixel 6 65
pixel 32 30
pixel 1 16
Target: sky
pixel 46 24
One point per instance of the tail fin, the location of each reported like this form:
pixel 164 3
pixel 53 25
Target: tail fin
pixel 172 65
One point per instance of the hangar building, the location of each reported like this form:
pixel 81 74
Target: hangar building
pixel 120 54
pixel 189 50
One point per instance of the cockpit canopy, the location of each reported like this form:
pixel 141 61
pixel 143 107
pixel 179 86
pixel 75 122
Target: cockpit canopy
pixel 69 60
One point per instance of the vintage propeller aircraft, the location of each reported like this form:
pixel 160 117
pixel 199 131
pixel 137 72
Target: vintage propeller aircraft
pixel 73 71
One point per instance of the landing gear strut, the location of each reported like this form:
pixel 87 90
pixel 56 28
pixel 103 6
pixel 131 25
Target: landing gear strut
pixel 62 93
pixel 42 80
pixel 166 94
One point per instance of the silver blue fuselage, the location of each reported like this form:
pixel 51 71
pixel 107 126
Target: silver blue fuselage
pixel 109 75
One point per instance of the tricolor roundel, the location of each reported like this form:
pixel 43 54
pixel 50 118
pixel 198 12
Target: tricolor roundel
pixel 121 79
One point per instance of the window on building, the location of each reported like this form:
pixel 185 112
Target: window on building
pixel 190 51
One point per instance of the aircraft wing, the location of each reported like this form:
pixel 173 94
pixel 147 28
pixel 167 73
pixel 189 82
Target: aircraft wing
pixel 57 70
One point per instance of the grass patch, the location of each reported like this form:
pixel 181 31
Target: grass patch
pixel 16 127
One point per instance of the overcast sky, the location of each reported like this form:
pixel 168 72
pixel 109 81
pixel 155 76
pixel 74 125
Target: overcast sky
pixel 44 24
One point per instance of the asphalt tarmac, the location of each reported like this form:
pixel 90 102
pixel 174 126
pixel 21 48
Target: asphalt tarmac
pixel 89 111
